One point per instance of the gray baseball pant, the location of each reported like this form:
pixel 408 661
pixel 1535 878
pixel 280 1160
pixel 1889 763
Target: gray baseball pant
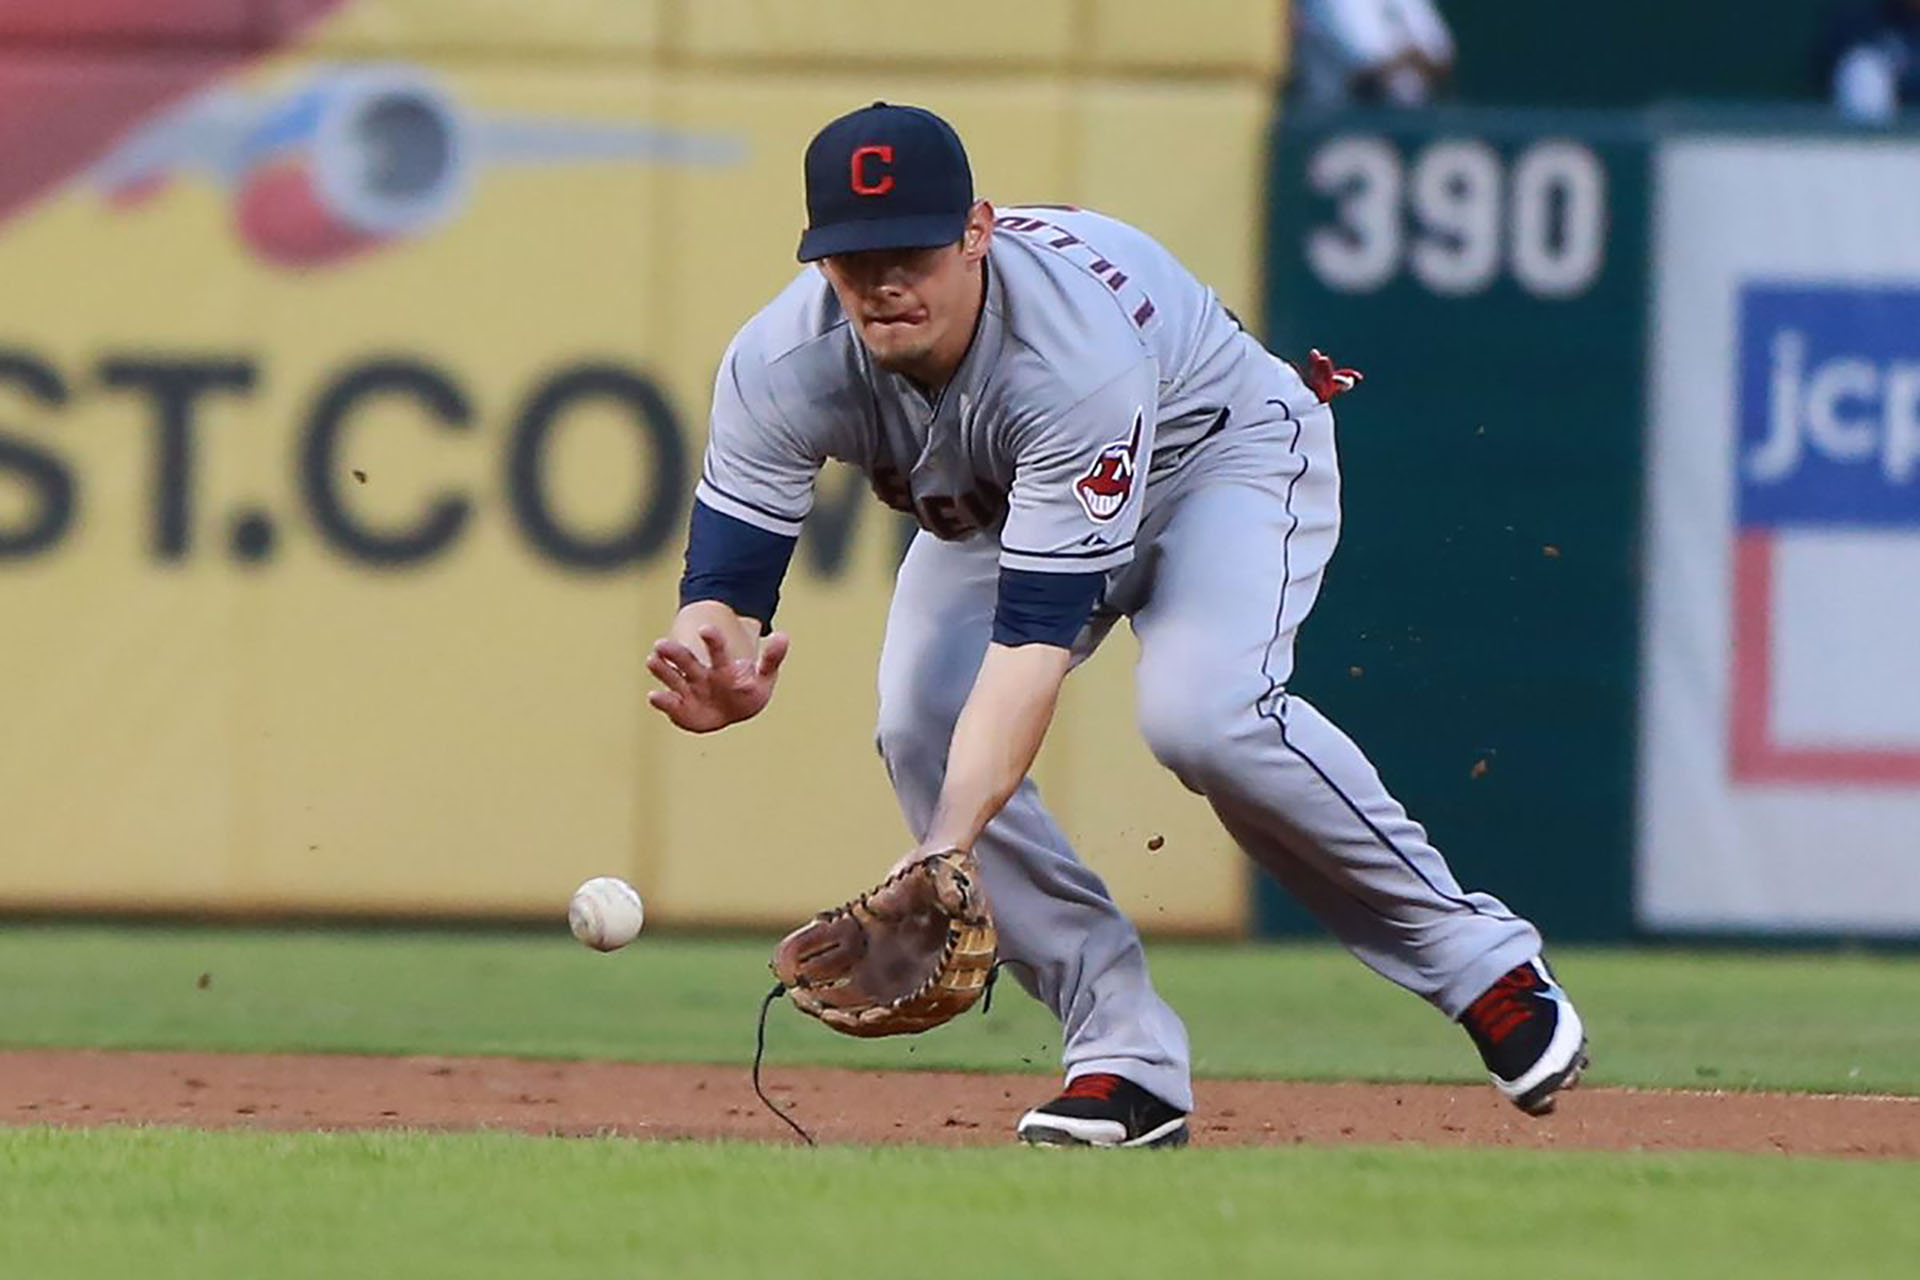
pixel 1230 557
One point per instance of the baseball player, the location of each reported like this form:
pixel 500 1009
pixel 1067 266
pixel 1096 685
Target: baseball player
pixel 1084 433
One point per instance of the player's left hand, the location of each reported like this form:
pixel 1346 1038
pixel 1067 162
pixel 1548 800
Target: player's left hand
pixel 905 956
pixel 705 693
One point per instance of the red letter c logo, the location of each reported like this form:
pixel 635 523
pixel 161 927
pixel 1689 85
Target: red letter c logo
pixel 862 184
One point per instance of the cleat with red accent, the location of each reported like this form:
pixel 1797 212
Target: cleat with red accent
pixel 1529 1035
pixel 1104 1110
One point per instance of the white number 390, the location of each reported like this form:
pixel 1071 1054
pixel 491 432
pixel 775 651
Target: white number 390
pixel 1545 220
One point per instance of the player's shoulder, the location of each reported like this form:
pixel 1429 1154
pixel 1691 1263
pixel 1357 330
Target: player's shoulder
pixel 803 316
pixel 794 358
pixel 1069 328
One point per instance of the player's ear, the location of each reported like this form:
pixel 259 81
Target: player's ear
pixel 979 231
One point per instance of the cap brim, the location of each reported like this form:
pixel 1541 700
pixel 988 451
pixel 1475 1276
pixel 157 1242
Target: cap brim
pixel 924 231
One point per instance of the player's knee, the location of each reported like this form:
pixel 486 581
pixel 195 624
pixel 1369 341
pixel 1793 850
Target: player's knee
pixel 913 729
pixel 1193 729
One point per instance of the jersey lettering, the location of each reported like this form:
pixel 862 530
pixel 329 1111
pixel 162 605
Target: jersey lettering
pixel 950 517
pixel 945 515
pixel 1072 246
pixel 890 486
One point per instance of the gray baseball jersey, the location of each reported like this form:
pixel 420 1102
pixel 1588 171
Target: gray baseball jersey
pixel 1083 376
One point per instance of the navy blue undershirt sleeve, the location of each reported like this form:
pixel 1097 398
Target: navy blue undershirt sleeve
pixel 1044 608
pixel 736 563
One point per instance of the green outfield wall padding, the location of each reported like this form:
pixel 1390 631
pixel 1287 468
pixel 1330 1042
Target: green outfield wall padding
pixel 1628 53
pixel 1477 633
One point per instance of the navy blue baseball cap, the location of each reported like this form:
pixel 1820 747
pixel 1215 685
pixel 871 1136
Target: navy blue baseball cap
pixel 885 177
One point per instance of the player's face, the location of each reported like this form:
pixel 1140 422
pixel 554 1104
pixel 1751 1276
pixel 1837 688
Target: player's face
pixel 915 308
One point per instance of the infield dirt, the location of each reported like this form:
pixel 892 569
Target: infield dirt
pixel 272 1091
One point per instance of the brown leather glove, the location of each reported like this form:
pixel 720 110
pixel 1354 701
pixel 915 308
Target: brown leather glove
pixel 903 957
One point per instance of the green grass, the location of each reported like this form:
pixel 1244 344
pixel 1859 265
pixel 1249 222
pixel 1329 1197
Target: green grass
pixel 161 1204
pixel 1659 1018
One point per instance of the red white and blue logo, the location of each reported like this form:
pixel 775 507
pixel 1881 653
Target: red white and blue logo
pixel 1827 558
pixel 1104 487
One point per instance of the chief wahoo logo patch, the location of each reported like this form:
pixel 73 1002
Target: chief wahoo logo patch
pixel 1103 488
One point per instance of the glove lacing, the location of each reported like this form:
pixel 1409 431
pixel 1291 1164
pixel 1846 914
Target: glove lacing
pixel 780 989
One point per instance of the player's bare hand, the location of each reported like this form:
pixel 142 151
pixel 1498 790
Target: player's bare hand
pixel 707 690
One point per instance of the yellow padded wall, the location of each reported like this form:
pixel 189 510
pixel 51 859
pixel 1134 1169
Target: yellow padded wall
pixel 878 33
pixel 1236 37
pixel 308 731
pixel 629 30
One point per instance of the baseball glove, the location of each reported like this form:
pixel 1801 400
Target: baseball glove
pixel 901 958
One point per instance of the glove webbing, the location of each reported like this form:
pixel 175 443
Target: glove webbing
pixel 760 1041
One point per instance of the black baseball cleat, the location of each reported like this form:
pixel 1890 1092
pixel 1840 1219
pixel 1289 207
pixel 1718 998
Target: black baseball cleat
pixel 1529 1036
pixel 1103 1110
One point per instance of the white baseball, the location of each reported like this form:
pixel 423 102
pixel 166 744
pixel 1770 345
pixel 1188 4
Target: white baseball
pixel 606 913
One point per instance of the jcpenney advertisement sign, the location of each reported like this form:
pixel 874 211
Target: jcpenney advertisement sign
pixel 1780 706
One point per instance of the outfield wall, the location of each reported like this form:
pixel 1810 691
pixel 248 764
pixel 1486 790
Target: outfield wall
pixel 354 356
pixel 1629 583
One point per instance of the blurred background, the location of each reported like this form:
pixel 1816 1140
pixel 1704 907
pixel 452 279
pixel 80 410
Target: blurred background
pixel 355 358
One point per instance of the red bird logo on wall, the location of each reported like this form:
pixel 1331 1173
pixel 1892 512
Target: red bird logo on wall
pixel 354 157
pixel 345 159
pixel 58 116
